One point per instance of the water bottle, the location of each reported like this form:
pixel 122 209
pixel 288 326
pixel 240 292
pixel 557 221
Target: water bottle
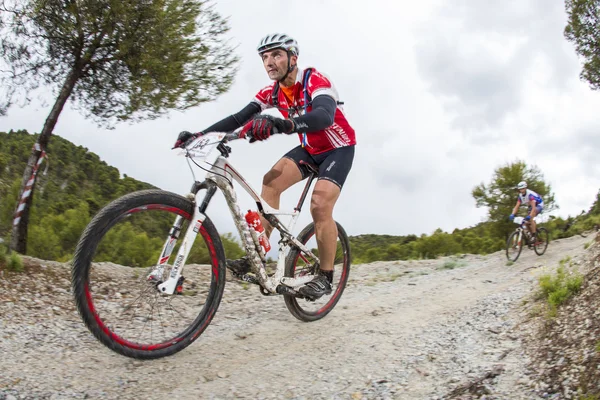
pixel 253 220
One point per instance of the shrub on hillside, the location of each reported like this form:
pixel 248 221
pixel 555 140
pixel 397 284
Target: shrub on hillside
pixel 558 288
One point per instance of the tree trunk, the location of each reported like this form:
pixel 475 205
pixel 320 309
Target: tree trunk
pixel 18 241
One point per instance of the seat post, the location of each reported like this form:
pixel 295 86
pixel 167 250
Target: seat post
pixel 311 177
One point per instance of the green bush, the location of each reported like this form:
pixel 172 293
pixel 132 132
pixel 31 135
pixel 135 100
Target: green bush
pixel 558 288
pixel 589 397
pixel 232 246
pixel 15 263
pixel 565 260
pixel 574 284
pixel 452 264
pixel 3 256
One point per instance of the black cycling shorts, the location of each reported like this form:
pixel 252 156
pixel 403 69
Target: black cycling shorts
pixel 334 165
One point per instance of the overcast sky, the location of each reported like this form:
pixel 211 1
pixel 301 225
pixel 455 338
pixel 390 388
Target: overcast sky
pixel 440 94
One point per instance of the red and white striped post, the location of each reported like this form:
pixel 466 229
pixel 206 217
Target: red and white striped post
pixel 28 186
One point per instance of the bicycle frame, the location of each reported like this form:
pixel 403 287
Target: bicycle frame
pixel 220 177
pixel 520 235
pixel 523 225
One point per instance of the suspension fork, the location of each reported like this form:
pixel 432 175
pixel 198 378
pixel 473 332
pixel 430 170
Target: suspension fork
pixel 171 284
pixel 165 254
pixel 211 189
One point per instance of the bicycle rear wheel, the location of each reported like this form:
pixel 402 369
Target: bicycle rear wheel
pixel 514 246
pixel 541 241
pixel 117 251
pixel 297 265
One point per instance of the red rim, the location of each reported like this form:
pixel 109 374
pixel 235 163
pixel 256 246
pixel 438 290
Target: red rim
pixel 163 207
pixel 170 342
pixel 337 290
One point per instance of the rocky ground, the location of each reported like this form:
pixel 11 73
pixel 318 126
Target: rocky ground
pixel 565 349
pixel 452 328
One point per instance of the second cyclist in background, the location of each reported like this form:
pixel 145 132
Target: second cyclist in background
pixel 534 202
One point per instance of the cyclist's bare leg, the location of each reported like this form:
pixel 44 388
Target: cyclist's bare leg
pixel 323 200
pixel 533 226
pixel 283 174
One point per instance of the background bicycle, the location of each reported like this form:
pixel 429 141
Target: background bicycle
pixel 522 236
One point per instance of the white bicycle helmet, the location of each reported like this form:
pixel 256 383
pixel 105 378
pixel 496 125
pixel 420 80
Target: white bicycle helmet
pixel 522 185
pixel 278 41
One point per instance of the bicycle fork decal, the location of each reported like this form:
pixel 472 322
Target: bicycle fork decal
pixel 157 272
pixel 183 254
pixel 178 262
pixel 169 286
pixel 165 254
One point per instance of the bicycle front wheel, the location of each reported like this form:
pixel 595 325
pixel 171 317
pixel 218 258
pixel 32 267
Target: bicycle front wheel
pixel 297 265
pixel 541 241
pixel 115 255
pixel 514 246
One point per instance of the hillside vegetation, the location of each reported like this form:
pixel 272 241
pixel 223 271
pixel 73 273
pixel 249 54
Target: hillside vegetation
pixel 72 186
pixel 77 183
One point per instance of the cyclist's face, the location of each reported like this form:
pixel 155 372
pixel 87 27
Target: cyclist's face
pixel 523 191
pixel 276 63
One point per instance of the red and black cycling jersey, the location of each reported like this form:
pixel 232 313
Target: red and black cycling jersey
pixel 336 135
pixel 323 120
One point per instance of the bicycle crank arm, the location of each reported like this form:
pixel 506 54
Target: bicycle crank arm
pixel 297 282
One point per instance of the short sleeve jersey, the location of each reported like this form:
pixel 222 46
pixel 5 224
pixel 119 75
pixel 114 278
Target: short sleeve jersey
pixel 530 195
pixel 339 134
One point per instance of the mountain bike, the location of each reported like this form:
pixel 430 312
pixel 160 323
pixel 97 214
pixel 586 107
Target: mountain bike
pixel 160 311
pixel 514 244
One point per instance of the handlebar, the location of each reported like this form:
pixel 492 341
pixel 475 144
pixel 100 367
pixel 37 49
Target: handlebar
pixel 236 134
pixel 227 138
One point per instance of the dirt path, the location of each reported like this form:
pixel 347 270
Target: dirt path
pixel 402 330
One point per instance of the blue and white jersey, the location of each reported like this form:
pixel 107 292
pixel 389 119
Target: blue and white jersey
pixel 529 195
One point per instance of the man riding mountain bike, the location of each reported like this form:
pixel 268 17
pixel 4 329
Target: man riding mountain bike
pixel 534 202
pixel 310 107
